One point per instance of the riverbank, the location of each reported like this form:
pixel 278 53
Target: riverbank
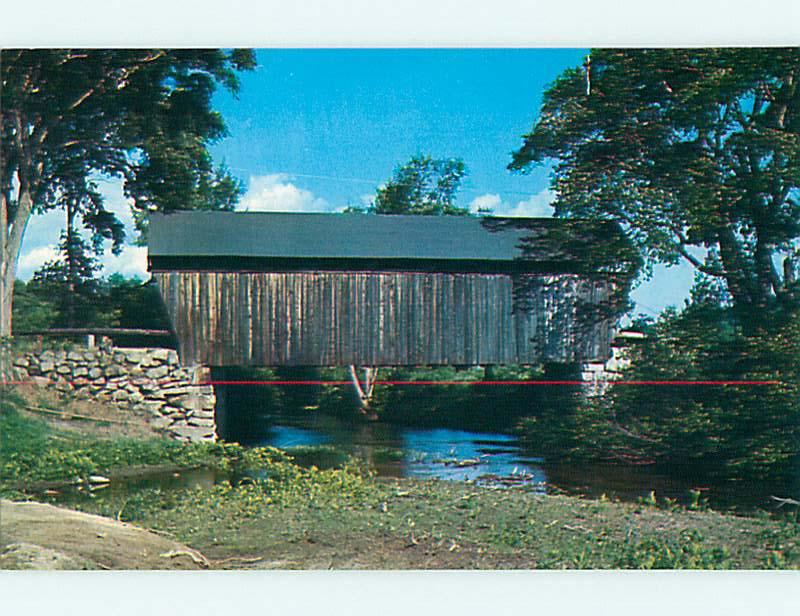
pixel 264 511
pixel 42 537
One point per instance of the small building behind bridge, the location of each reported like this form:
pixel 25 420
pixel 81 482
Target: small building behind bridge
pixel 281 289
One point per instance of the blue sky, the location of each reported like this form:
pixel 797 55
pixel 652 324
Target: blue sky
pixel 318 130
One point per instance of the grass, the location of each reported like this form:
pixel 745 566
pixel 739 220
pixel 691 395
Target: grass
pixel 32 451
pixel 285 516
pixel 341 519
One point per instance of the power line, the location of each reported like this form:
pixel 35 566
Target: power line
pixel 333 178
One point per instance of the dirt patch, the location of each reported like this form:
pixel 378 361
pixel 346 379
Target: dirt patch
pixel 86 417
pixel 39 536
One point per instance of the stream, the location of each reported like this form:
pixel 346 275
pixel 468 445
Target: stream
pixel 488 454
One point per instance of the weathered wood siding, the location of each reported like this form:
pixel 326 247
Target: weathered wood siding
pixel 379 318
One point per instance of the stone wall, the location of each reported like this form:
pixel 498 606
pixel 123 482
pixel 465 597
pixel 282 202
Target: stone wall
pixel 597 375
pixel 149 380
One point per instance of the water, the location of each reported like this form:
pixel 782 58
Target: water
pixel 428 453
pixel 493 458
pixel 449 438
pixel 484 456
pixel 121 488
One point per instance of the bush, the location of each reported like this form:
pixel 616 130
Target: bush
pixel 732 432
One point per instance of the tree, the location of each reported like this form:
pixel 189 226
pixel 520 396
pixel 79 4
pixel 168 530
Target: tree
pixel 71 281
pixel 696 153
pixel 71 277
pixel 145 116
pixel 423 185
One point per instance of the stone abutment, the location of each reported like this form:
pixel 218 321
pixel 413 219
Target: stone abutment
pixel 150 380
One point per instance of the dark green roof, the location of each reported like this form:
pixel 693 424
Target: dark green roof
pixel 283 236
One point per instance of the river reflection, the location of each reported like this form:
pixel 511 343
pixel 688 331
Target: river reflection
pixel 454 455
pixel 486 458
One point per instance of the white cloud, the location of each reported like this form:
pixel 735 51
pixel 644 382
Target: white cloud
pixel 132 261
pixel 488 201
pixel 536 206
pixel 116 202
pixel 275 193
pixel 32 260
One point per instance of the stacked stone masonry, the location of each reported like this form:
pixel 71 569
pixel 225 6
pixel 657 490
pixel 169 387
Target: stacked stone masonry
pixel 149 380
pixel 598 375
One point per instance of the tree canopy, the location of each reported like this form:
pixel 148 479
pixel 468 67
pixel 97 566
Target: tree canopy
pixel 143 115
pixel 695 152
pixel 423 185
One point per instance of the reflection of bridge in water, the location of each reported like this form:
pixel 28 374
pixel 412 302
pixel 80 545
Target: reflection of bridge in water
pixel 268 289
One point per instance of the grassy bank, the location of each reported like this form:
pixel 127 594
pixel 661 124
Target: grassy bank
pixel 281 515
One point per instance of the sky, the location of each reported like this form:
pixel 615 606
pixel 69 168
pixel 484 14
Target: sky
pixel 317 130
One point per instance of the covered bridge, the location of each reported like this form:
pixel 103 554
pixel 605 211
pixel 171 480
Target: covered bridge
pixel 280 289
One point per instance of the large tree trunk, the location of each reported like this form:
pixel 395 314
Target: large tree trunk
pixel 5 296
pixel 742 288
pixel 11 233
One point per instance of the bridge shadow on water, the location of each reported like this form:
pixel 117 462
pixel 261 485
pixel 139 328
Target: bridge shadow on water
pixel 455 432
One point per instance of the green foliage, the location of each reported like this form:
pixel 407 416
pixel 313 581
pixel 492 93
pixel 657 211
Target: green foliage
pixel 423 185
pixel 687 149
pixel 48 301
pixel 141 115
pixel 70 283
pixel 467 406
pixel 731 433
pixel 33 310
pixel 688 551
pixel 32 451
pixel 135 303
pixel 728 431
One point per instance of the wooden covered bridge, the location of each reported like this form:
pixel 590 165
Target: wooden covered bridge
pixel 280 289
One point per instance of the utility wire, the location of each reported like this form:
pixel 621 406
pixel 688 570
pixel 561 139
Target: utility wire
pixel 380 182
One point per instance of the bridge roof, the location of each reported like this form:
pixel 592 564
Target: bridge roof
pixel 370 236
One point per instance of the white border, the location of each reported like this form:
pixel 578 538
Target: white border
pixel 419 23
pixel 384 23
pixel 371 593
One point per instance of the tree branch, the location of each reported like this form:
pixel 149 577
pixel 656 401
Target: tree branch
pixel 699 265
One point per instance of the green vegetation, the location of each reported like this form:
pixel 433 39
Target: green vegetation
pixel 271 512
pixel 143 116
pixel 49 301
pixel 424 185
pixel 689 150
pixel 32 451
pixel 466 406
pixel 733 434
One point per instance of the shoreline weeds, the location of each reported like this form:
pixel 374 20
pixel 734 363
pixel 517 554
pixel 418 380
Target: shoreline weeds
pixel 287 516
pixel 415 524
